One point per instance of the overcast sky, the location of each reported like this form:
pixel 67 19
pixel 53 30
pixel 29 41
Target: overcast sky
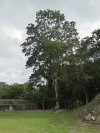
pixel 15 15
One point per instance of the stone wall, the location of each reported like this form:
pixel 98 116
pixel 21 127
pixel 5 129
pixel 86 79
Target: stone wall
pixel 17 105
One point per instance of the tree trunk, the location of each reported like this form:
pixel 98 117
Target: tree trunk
pixel 65 105
pixel 42 102
pixel 43 105
pixel 56 91
pixel 87 96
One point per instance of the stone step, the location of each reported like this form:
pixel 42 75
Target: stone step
pixel 14 102
pixel 17 105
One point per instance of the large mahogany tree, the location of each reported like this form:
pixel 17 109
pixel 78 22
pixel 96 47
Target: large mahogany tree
pixel 51 25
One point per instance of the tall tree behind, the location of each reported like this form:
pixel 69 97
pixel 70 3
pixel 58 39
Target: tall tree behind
pixel 4 89
pixel 94 45
pixel 88 71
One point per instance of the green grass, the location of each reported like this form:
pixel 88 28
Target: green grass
pixel 41 122
pixel 38 122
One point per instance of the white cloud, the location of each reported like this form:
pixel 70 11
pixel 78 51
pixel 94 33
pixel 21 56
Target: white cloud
pixel 13 33
pixel 91 3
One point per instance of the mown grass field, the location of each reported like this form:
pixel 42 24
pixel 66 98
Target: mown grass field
pixel 42 122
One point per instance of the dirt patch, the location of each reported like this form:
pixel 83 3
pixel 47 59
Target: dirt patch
pixel 46 110
pixel 81 125
pixel 74 131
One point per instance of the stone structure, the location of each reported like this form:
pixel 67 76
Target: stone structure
pixel 91 112
pixel 90 116
pixel 13 105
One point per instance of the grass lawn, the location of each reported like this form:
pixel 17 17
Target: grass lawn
pixel 41 122
pixel 12 99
